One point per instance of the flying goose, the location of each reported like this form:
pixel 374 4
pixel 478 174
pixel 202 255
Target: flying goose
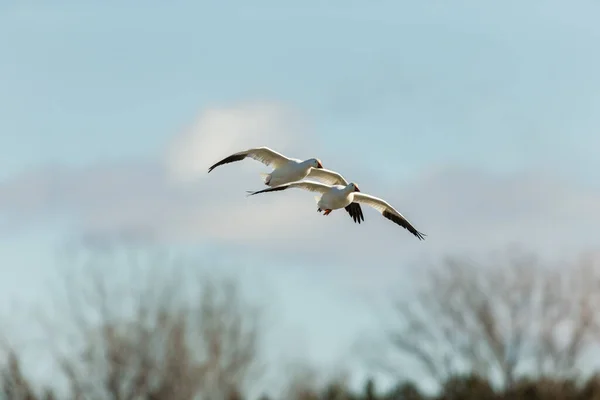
pixel 334 197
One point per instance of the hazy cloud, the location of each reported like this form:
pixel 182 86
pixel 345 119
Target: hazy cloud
pixel 466 210
pixel 459 208
pixel 174 198
pixel 219 132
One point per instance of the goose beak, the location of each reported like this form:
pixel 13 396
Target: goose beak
pixel 356 189
pixel 319 165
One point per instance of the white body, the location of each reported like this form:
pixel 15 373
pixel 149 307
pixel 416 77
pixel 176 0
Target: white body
pixel 295 170
pixel 292 171
pixel 336 197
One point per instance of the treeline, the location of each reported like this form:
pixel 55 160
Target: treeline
pixel 133 324
pixel 15 386
pixel 468 388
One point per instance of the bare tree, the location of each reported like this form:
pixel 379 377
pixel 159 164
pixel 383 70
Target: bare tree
pixel 140 324
pixel 12 381
pixel 516 316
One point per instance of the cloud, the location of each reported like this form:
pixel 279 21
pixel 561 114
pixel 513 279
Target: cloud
pixel 473 211
pixel 174 199
pixel 459 208
pixel 219 132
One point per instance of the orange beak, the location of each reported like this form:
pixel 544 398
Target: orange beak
pixel 356 189
pixel 319 165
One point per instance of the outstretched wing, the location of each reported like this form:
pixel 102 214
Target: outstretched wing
pixel 387 211
pixel 327 176
pixel 263 154
pixel 306 185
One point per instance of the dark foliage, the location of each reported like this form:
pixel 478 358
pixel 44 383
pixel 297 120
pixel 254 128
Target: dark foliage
pixel 14 385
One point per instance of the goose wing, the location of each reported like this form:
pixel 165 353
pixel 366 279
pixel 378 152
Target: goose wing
pixel 306 185
pixel 388 212
pixel 265 155
pixel 327 176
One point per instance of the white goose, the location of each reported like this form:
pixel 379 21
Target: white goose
pixel 286 170
pixel 334 197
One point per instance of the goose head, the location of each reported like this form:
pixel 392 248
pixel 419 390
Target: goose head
pixel 315 163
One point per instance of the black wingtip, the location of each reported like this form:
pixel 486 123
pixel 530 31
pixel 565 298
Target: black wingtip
pixel 403 223
pixel 227 160
pixel 355 212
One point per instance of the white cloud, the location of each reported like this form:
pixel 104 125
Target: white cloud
pixel 219 132
pixel 141 196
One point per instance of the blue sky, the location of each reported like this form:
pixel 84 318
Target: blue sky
pixel 478 120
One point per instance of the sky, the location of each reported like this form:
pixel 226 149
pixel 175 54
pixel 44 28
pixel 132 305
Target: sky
pixel 478 121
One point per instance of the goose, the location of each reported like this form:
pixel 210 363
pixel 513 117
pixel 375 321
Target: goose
pixel 287 170
pixel 334 197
